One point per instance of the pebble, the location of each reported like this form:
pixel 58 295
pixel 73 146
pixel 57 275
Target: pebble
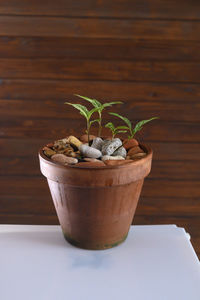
pixel 135 150
pixel 63 159
pixel 50 145
pixel 120 152
pixel 91 159
pixel 90 152
pixel 60 144
pixel 130 143
pixel 117 162
pixel 109 157
pixel 74 141
pixel 48 151
pixel 97 143
pixel 110 146
pixel 84 138
pixel 69 151
pixel 98 163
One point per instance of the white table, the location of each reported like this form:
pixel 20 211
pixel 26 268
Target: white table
pixel 154 263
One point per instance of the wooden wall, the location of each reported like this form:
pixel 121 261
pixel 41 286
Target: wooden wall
pixel 145 53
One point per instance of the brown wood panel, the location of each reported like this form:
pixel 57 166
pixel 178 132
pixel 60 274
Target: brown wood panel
pixel 54 128
pixel 99 28
pixel 171 111
pixel 99 70
pixel 169 207
pixel 84 48
pixel 105 8
pixel 29 204
pixel 153 188
pixel 20 148
pixel 60 90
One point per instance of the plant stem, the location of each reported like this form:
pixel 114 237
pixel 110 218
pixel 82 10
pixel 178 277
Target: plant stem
pixel 100 127
pixel 88 130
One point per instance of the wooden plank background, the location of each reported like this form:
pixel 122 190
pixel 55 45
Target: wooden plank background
pixel 145 53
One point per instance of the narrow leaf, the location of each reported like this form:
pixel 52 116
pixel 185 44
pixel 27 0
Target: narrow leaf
pixel 123 131
pixel 93 121
pixel 94 102
pixel 140 124
pixel 110 126
pixel 111 103
pixel 90 113
pixel 123 118
pixel 82 109
pixel 122 127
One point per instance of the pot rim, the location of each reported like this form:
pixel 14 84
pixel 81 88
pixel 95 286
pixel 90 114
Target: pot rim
pixel 147 149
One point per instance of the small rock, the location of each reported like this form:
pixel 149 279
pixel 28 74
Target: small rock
pixel 108 157
pixel 59 144
pixel 48 151
pixel 117 162
pixel 84 138
pixel 74 141
pixel 91 164
pixel 63 159
pixel 120 152
pixel 90 152
pixel 135 150
pixel 97 143
pixel 130 143
pixel 138 156
pixel 110 146
pixel 91 159
pixel 50 145
pixel 69 151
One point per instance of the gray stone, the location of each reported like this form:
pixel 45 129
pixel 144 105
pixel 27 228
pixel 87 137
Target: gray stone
pixel 63 159
pixel 120 152
pixel 88 151
pixel 109 147
pixel 109 157
pixel 97 143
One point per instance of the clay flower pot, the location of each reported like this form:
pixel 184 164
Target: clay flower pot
pixel 96 205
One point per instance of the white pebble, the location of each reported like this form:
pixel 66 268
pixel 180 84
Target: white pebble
pixel 108 157
pixel 88 151
pixel 63 159
pixel 110 146
pixel 97 143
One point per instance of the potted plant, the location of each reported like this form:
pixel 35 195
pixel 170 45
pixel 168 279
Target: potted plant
pixel 95 182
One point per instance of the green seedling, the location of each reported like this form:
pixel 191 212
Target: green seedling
pixel 87 114
pixel 132 130
pixel 115 130
pixel 100 107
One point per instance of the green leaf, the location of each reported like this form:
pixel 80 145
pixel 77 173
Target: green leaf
pixel 123 131
pixel 90 113
pixel 122 127
pixel 93 121
pixel 140 124
pixel 123 118
pixel 82 109
pixel 111 103
pixel 110 126
pixel 94 102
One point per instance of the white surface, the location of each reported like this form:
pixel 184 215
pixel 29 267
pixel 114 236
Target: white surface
pixel 154 263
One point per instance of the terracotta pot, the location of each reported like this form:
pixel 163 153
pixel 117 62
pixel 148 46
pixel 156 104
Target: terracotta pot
pixel 95 206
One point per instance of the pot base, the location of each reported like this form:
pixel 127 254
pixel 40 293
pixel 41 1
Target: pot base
pixel 93 246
